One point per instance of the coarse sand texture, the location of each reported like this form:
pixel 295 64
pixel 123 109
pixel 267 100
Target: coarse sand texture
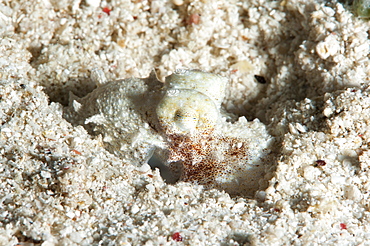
pixel 258 110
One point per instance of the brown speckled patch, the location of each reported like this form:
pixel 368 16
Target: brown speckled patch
pixel 207 156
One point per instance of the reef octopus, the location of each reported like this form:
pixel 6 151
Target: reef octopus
pixel 183 122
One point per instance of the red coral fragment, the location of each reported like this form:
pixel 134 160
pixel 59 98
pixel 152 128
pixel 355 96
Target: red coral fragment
pixel 193 19
pixel 76 152
pixel 107 10
pixel 343 226
pixel 177 237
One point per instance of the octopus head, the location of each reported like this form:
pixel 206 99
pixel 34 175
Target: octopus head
pixel 186 111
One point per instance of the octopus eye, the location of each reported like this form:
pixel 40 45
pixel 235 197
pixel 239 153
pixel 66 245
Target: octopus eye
pixel 186 120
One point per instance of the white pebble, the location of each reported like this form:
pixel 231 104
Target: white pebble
pixel 311 172
pixel 353 193
pixel 93 3
pixel 45 174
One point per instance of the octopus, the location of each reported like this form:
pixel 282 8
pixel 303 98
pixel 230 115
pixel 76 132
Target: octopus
pixel 182 122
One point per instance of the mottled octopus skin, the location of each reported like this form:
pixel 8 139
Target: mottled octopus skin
pixel 182 121
pixel 123 112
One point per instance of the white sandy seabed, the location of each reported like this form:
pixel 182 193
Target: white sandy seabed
pixel 59 186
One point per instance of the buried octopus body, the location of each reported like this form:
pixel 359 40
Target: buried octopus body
pixel 181 120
